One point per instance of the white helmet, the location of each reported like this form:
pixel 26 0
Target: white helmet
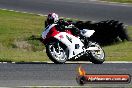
pixel 52 18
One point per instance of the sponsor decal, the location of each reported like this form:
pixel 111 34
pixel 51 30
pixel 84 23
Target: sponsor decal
pixel 69 38
pixel 84 78
pixel 61 36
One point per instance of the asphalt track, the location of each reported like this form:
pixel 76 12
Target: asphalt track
pixel 82 9
pixel 12 75
pixel 41 74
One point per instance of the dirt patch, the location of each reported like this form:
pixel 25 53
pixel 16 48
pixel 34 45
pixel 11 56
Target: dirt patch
pixel 22 45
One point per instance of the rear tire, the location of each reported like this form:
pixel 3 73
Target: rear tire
pixel 97 56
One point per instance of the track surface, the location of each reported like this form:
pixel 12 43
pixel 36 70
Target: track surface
pixel 83 9
pixel 12 75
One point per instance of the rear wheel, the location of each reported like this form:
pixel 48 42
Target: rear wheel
pixel 96 56
pixel 56 53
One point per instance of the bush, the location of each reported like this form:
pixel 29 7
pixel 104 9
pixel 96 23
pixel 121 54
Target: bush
pixel 106 32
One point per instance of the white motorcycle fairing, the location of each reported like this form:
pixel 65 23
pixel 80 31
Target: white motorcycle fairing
pixel 74 44
pixel 46 30
pixel 87 32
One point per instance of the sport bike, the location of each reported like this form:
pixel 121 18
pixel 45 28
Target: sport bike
pixel 63 46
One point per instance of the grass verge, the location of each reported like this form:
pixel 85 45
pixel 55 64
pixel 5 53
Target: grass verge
pixel 17 39
pixel 121 1
pixel 16 31
pixel 121 51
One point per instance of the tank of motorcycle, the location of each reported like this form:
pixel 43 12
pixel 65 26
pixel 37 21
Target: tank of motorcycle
pixel 87 32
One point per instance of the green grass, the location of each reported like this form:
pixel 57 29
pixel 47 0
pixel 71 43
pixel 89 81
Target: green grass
pixel 17 39
pixel 121 1
pixel 15 32
pixel 119 52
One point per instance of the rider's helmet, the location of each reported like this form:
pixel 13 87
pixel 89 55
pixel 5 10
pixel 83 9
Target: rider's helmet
pixel 52 18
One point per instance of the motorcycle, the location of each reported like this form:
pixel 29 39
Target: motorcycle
pixel 63 46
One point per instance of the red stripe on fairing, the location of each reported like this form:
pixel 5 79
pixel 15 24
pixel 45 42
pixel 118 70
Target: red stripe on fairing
pixel 53 32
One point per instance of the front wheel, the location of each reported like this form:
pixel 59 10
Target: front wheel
pixel 56 53
pixel 96 56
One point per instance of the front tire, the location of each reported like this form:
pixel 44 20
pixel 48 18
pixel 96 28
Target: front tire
pixel 96 56
pixel 55 53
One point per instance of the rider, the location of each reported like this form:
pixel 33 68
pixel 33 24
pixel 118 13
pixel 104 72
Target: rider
pixel 53 18
pixel 61 25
